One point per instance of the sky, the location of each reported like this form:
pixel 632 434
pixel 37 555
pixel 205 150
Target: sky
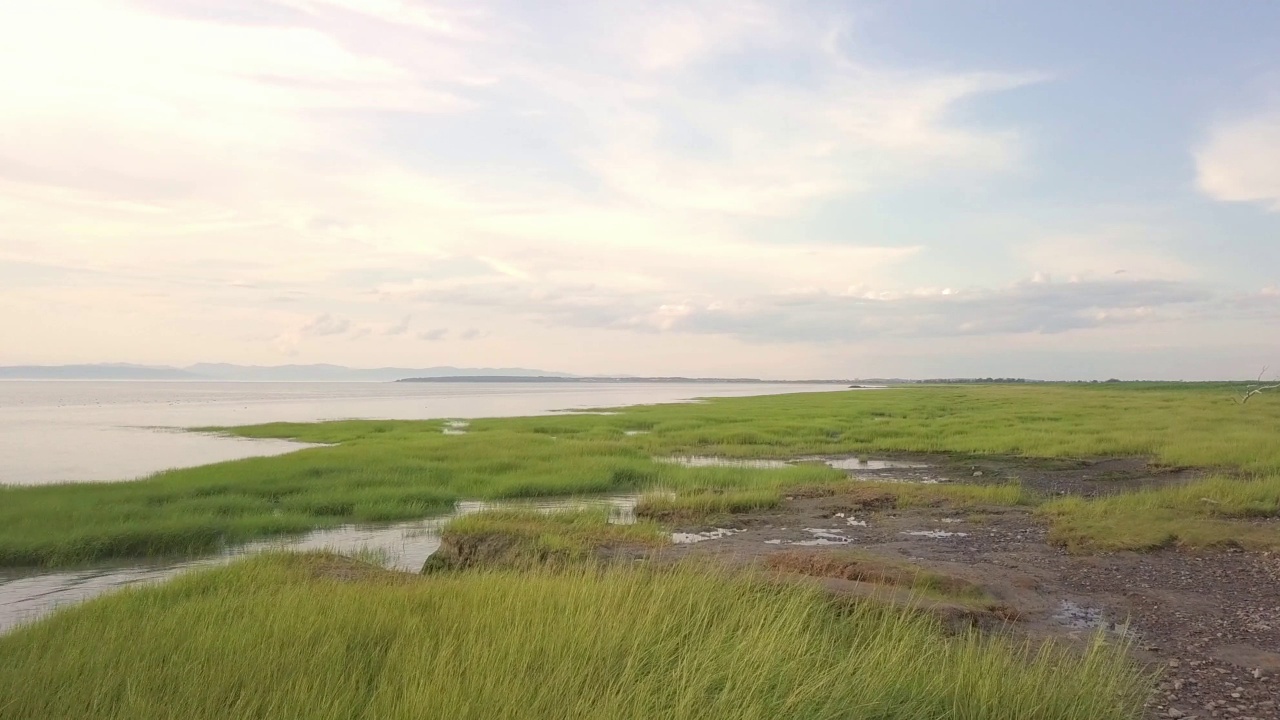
pixel 783 190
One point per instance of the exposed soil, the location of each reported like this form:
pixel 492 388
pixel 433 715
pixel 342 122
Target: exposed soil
pixel 1209 620
pixel 1051 476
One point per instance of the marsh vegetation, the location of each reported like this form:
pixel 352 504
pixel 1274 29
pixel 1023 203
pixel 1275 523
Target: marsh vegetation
pixel 315 636
pixel 379 471
pixel 535 615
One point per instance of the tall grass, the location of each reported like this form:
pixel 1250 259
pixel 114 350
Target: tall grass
pixel 1207 513
pixel 867 568
pixel 323 637
pixel 525 538
pixel 700 503
pixel 389 470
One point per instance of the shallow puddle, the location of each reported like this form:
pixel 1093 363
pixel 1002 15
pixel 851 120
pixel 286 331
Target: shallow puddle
pixel 1080 617
pixel 851 520
pixel 869 464
pixel 690 538
pixel 908 480
pixel 821 536
pixel 456 427
pixel 936 534
pixel 709 461
pixel 405 546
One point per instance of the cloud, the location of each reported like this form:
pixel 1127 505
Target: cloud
pixel 1240 161
pixel 325 325
pixel 399 328
pixel 437 18
pixel 771 148
pixel 652 183
pixel 262 150
pixel 1038 306
pixel 1132 252
pixel 231 106
pixel 1025 308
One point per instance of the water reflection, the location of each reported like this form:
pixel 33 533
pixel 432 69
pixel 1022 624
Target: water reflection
pixel 854 463
pixel 695 461
pixel 406 546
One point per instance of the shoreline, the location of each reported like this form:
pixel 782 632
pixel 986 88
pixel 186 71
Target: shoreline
pixel 109 427
pixel 1021 512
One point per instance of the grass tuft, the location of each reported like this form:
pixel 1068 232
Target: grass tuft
pixel 705 503
pixel 527 538
pixel 863 567
pixel 1215 512
pixel 318 636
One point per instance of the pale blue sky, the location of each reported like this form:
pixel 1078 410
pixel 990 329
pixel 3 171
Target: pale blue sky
pixel 789 189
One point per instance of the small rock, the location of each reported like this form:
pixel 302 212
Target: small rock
pixel 1174 713
pixel 977 473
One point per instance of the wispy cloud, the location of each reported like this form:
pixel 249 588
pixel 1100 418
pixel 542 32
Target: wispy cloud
pixel 1240 161
pixel 1039 306
pixel 663 181
pixel 400 328
pixel 326 324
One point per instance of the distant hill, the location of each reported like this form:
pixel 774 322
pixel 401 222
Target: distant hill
pixel 104 371
pixel 623 379
pixel 253 373
pixel 280 373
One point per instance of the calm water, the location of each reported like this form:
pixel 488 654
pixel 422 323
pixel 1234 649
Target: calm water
pixel 104 431
pixel 27 596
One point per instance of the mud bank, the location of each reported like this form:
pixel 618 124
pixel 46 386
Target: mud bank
pixel 1207 620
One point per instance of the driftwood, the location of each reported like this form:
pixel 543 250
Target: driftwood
pixel 1257 389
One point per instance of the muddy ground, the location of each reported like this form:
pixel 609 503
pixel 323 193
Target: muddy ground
pixel 1208 620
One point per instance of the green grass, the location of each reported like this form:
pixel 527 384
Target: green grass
pixel 315 636
pixel 703 503
pixel 527 538
pixel 379 471
pixel 1206 513
pixel 864 567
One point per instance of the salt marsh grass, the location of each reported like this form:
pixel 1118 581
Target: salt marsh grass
pixel 316 636
pixel 378 471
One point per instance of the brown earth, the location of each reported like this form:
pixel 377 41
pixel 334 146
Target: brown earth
pixel 1209 620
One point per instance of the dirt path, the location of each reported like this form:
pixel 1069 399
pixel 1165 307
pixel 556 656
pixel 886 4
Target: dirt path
pixel 1209 620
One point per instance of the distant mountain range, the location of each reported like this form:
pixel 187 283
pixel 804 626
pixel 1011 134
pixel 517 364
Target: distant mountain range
pixel 226 372
pixel 599 379
pixel 255 373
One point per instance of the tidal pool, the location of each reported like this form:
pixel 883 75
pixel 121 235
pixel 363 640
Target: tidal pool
pixel 708 461
pixel 27 595
pixel 854 463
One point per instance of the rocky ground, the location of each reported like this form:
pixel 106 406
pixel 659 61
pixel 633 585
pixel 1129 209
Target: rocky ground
pixel 1208 620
